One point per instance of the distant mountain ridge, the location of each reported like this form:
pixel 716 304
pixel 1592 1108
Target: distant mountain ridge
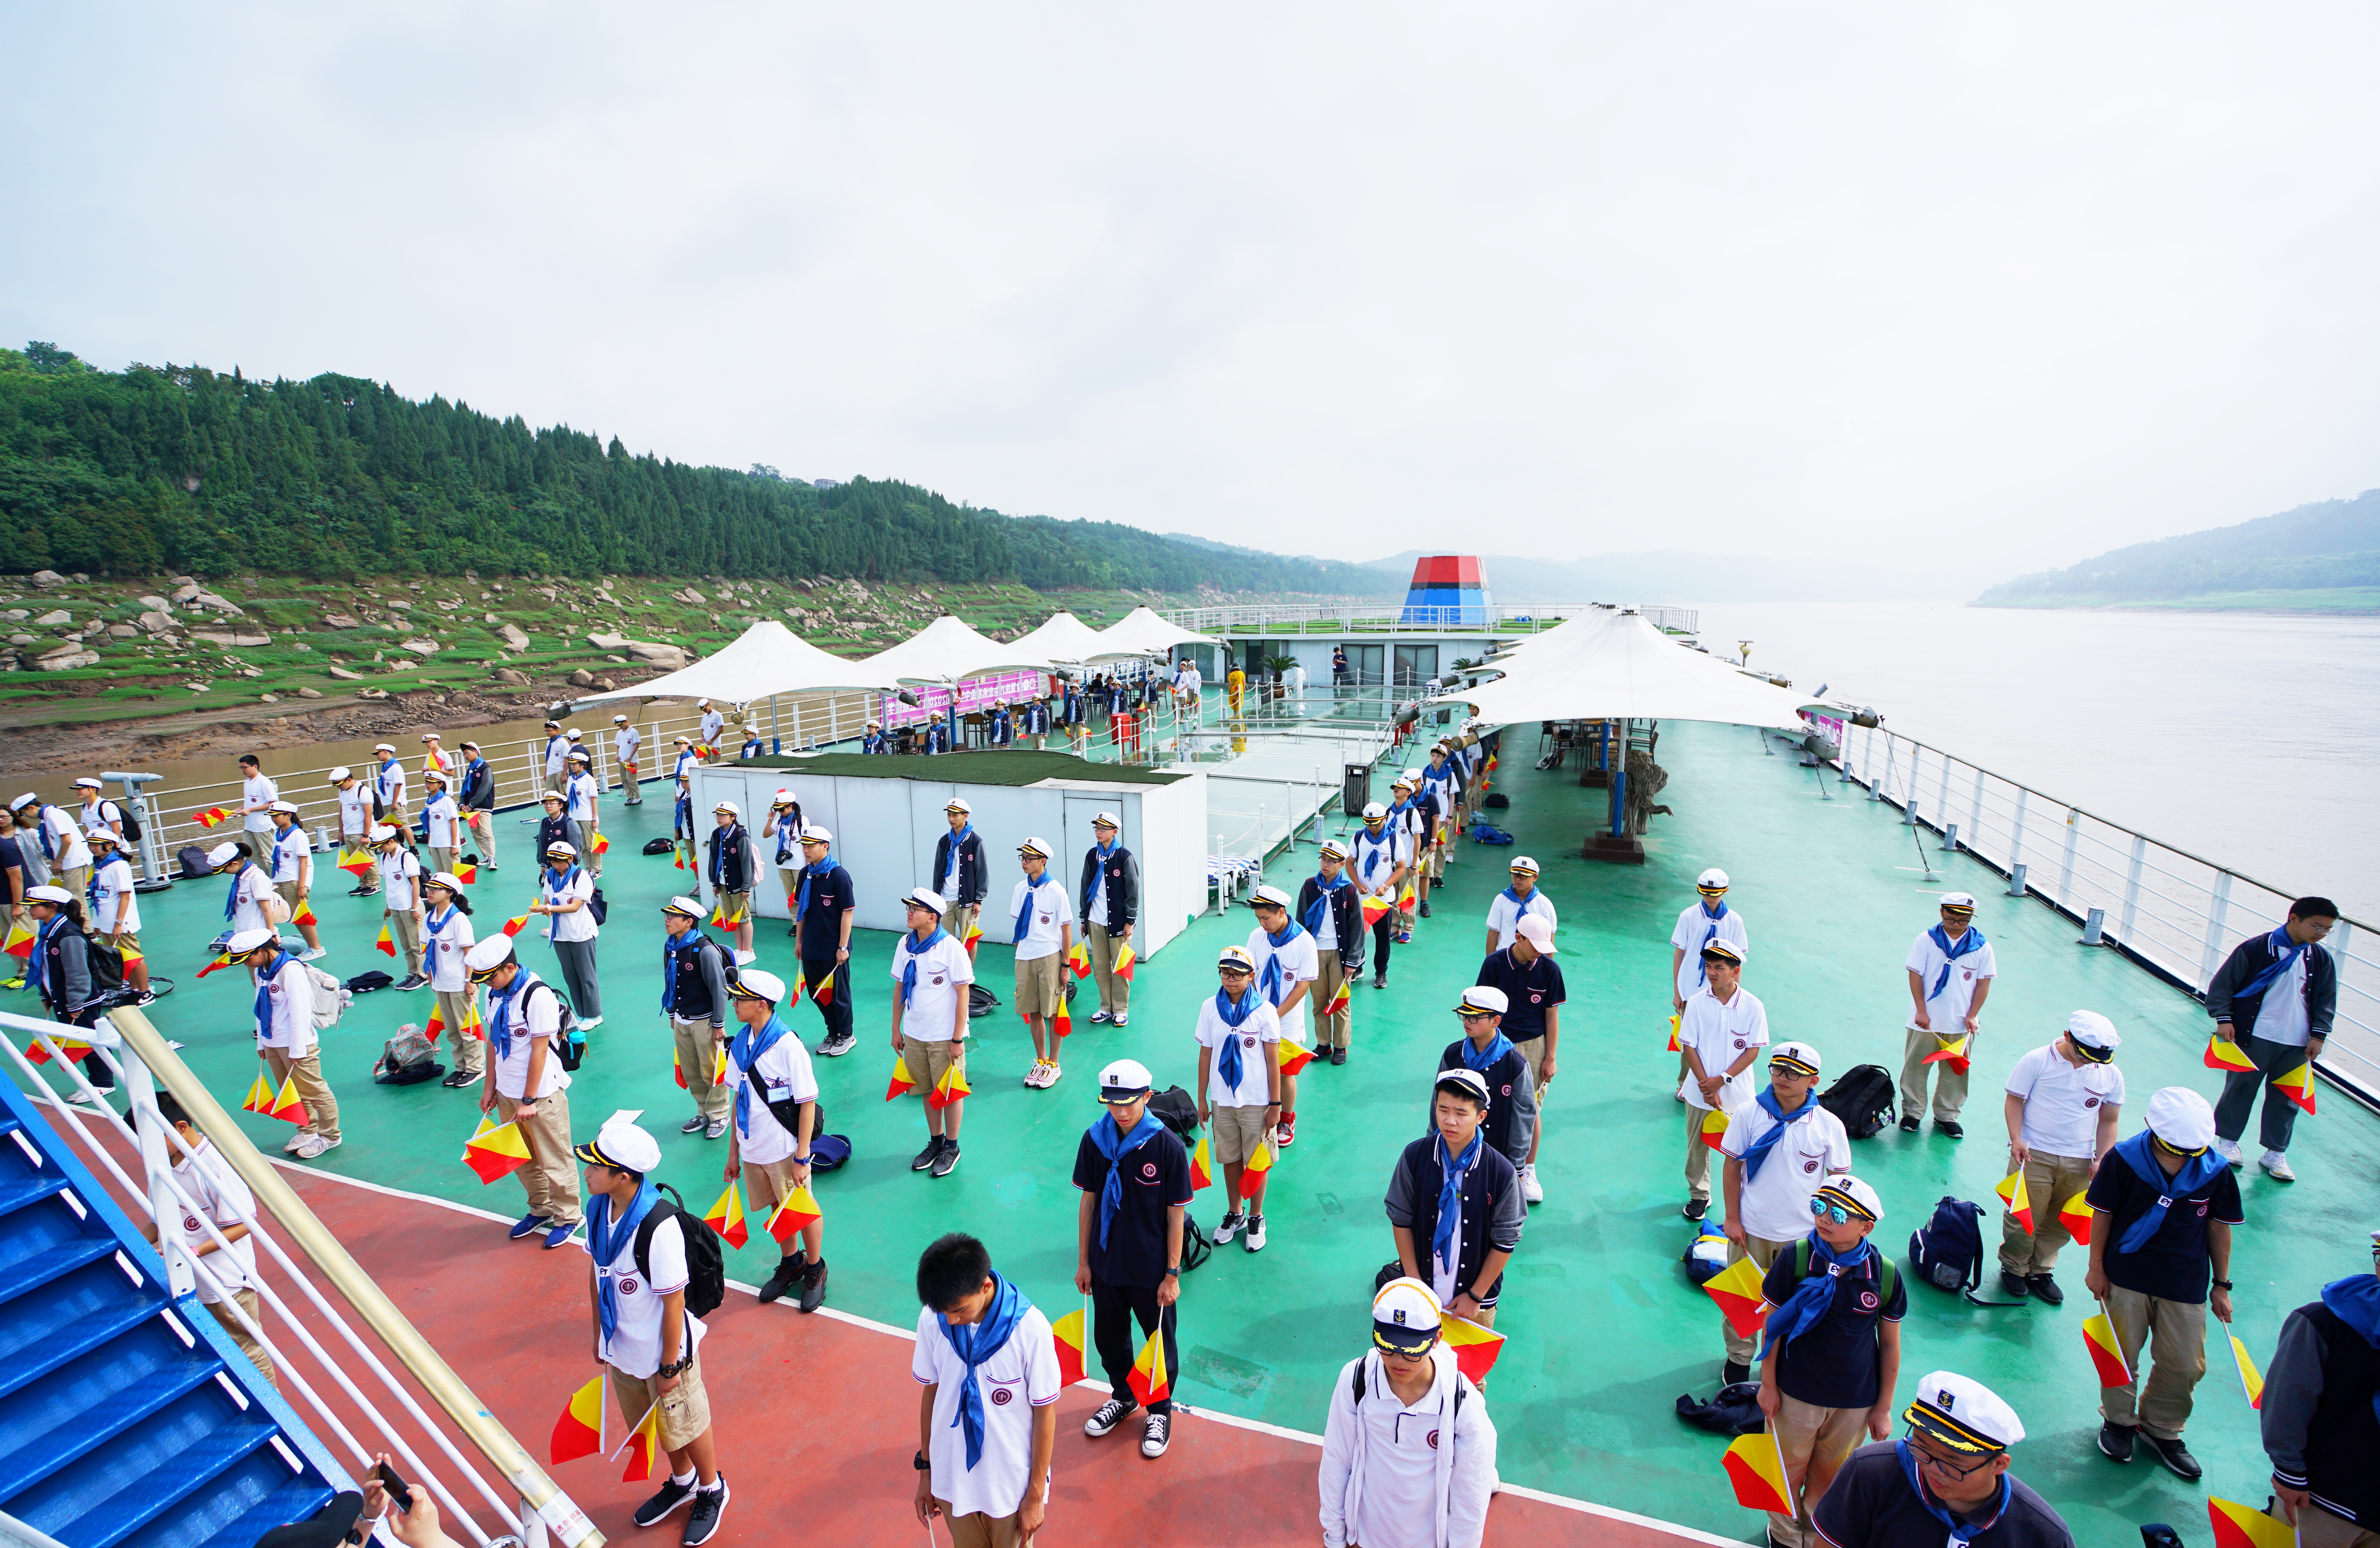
pixel 2324 556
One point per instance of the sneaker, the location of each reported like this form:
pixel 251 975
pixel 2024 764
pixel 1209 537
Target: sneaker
pixel 838 1045
pixel 1033 1076
pixel 672 1498
pixel 1284 1133
pixel 1949 1127
pixel 2175 1456
pixel 312 954
pixel 2015 1284
pixel 331 1144
pixel 415 981
pixel 694 1124
pixel 1122 1019
pixel 1254 1241
pixel 462 1078
pixel 90 1098
pixel 1113 1413
pixel 15 983
pixel 489 864
pixel 2115 1439
pixel 1337 1056
pixel 745 958
pixel 1228 1228
pixel 1909 1126
pixel 1154 1437
pixel 295 1140
pixel 813 1287
pixel 795 931
pixel 2228 1149
pixel 2043 1286
pixel 363 891
pixel 1734 1371
pixel 928 1155
pixel 788 1274
pixel 1697 1208
pixel 1379 981
pixel 590 1023
pixel 2277 1165
pixel 714 1128
pixel 311 1147
pixel 1101 1018
pixel 146 996
pixel 1050 1076
pixel 1529 1188
pixel 709 1504
pixel 1425 911
pixel 948 1160
pixel 560 1235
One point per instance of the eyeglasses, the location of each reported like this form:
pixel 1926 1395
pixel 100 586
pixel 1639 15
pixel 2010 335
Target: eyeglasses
pixel 1943 1465
pixel 1474 1015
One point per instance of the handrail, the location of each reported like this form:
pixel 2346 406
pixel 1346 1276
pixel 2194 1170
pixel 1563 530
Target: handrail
pixel 1392 618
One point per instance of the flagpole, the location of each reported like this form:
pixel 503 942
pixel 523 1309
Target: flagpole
pixel 1783 1472
pixel 635 1428
pixel 2130 1374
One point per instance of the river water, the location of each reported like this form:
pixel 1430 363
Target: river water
pixel 2250 739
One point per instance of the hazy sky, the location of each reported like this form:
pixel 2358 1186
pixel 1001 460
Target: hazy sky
pixel 1939 285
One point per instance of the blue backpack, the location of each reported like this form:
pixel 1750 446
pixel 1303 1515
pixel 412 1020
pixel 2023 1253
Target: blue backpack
pixel 1947 1250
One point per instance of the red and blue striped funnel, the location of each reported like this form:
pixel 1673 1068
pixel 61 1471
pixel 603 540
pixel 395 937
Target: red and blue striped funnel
pixel 1448 590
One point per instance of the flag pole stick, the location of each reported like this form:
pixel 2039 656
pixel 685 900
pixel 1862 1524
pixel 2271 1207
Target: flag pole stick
pixel 636 1426
pixel 1783 1472
pixel 2130 1374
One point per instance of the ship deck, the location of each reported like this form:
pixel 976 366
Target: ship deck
pixel 1604 1330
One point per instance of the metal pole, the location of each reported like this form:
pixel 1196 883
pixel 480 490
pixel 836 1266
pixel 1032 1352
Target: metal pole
pixel 2133 887
pixel 1975 816
pixel 1942 796
pixel 2211 956
pixel 2066 861
pixel 2016 835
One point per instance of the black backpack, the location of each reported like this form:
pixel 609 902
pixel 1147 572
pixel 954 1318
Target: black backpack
pixel 570 1044
pixel 1174 1109
pixel 193 863
pixel 706 1266
pixel 1863 1098
pixel 1734 1410
pixel 128 813
pixel 366 982
pixel 1947 1250
pixel 658 846
pixel 106 966
pixel 598 907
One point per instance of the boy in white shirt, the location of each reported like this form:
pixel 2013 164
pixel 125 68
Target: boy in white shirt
pixel 99 814
pixel 2062 1106
pixel 1521 897
pixel 388 785
pixel 1950 972
pixel 1722 1030
pixel 285 1037
pixel 54 841
pixel 529 1088
pixel 289 864
pixel 777 1118
pixel 644 1335
pixel 355 824
pixel 557 749
pixel 564 893
pixel 1709 918
pixel 1781 1148
pixel 257 796
pixel 988 1418
pixel 1286 964
pixel 228 1204
pixel 1378 857
pixel 441 820
pixel 446 940
pixel 930 974
pixel 250 885
pixel 400 885
pixel 580 792
pixel 1043 933
pixel 116 910
pixel 625 745
pixel 1408 1452
pixel 1239 1086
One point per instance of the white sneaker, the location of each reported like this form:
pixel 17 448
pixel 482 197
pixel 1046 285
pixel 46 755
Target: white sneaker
pixel 1227 1227
pixel 745 958
pixel 295 1140
pixel 1033 1076
pixel 2275 1163
pixel 312 954
pixel 1254 1239
pixel 309 1146
pixel 1049 1073
pixel 590 1024
pixel 1529 1188
pixel 2228 1149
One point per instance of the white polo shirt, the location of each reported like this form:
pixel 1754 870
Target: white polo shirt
pixel 1720 1035
pixel 103 816
pixel 399 876
pixel 1504 915
pixel 1021 1376
pixel 288 1024
pixel 65 839
pixel 1948 1010
pixel 1259 1038
pixel 635 1346
pixel 444 821
pixel 1696 929
pixel 1301 962
pixel 578 924
pixel 558 753
pixel 115 904
pixel 943 973
pixel 444 939
pixel 625 745
pixel 2062 1102
pixel 542 1015
pixel 355 810
pixel 1051 913
pixel 223 1199
pixel 247 901
pixel 284 853
pixel 1777 1201
pixel 581 790
pixel 388 781
pixel 787 1075
pixel 1372 864
pixel 254 789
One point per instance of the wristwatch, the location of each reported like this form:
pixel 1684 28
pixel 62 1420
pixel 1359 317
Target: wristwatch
pixel 2222 1283
pixel 920 1463
pixel 1176 1272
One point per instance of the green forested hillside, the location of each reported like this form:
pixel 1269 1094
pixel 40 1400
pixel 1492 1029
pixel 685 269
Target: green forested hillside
pixel 2320 557
pixel 151 470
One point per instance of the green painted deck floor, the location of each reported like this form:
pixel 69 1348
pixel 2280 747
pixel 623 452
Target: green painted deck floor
pixel 1604 1329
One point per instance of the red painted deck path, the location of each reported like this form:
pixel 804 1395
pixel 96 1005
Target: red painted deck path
pixel 816 1417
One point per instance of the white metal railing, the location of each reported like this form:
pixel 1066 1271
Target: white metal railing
pixel 1384 618
pixel 513 1491
pixel 2177 913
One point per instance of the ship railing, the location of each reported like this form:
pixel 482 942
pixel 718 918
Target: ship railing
pixel 326 1312
pixel 2177 913
pixel 1384 618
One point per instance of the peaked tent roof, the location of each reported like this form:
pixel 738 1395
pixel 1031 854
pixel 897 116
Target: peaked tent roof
pixel 1142 632
pixel 766 659
pixel 947 651
pixel 1065 638
pixel 1616 665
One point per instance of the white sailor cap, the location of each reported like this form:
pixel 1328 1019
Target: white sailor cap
pixel 488 955
pixel 574 733
pixel 341 772
pixel 1852 1194
pixel 102 836
pixel 245 941
pixel 87 782
pixel 682 741
pixel 621 1145
pixel 553 795
pixel 1469 1082
pixel 1124 1080
pixel 1406 1318
pixel 1268 896
pixel 1522 863
pixel 755 984
pixel 1537 930
pixel 1712 880
pixel 958 804
pixel 288 806
pixel 813 833
pixel 380 834
pixel 48 895
pixel 1237 958
pixel 563 846
pixel 2181 1119
pixel 1958 902
pixel 1106 820
pixel 1963 1414
pixel 383 746
pixel 1333 850
pixel 553 725
pixel 926 898
pixel 1413 776
pixel 433 772
pixel 1373 810
pixel 729 808
pixel 1405 782
pixel 1799 1059
pixel 1483 999
pixel 619 720
pixel 574 755
pixel 29 799
pixel 684 905
pixel 428 736
pixel 702 704
pixel 784 798
pixel 1033 846
pixel 1719 946
pixel 225 852
pixel 2095 1036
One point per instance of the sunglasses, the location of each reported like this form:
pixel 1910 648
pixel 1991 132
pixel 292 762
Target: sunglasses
pixel 1820 1209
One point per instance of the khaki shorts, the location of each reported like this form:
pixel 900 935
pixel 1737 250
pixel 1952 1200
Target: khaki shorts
pixel 1238 1131
pixel 1534 1050
pixel 126 941
pixel 686 1407
pixel 928 1062
pixel 768 1184
pixel 978 1530
pixel 1041 986
pixel 736 906
pixel 289 894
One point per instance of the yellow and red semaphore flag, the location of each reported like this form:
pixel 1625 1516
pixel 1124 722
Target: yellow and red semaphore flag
pixel 1755 1465
pixel 643 1448
pixel 799 1209
pixel 209 817
pixel 436 1025
pixel 1126 961
pixel 1374 908
pixel 1069 1334
pixel 2252 1383
pixel 513 926
pixel 2297 1087
pixel 37 1053
pixel 2020 1203
pixel 286 1105
pixel 1062 1026
pixel 2240 1526
pixel 1149 1382
pixel 466 872
pixel 304 912
pixel 222 959
pixel 355 862
pixel 727 1216
pixel 20 941
pixel 949 1089
pixel 823 990
pixel 903 1083
pixel 386 942
pixel 581 1430
pixel 2224 1054
pixel 1951 1051
pixel 1260 1159
pixel 1078 959
pixel 1293 1057
pixel 975 933
pixel 260 1094
pixel 1338 1000
pixel 603 843
pixel 2106 1355
pixel 1714 1128
pixel 1475 1347
pixel 1737 1289
pixel 495 1150
pixel 1202 1166
pixel 1674 1045
pixel 2075 1215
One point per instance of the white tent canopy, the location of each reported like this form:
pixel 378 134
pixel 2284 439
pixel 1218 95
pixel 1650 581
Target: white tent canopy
pixel 1616 666
pixel 1065 638
pixel 947 651
pixel 1142 632
pixel 766 659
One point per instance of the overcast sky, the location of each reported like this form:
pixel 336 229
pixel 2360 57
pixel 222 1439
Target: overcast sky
pixel 1941 285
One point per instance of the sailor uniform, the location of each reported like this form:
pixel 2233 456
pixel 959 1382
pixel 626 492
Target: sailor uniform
pixel 1504 915
pixel 400 885
pixel 1400 1477
pixel 1697 929
pixel 2276 999
pixel 445 937
pixel 694 998
pixel 572 936
pixel 1720 1035
pixel 1950 979
pixel 285 1037
pixel 1110 894
pixel 623 747
pixel 217 1192
pixel 1373 860
pixel 258 793
pixel 517 1021
pixel 441 823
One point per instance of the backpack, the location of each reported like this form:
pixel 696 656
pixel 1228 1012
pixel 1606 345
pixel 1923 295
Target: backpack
pixel 570 1043
pixel 408 1058
pixel 128 813
pixel 1705 1255
pixel 1734 1410
pixel 1174 1109
pixel 658 846
pixel 331 998
pixel 706 1266
pixel 106 966
pixel 364 983
pixel 1947 1250
pixel 1497 801
pixel 1197 1245
pixel 193 863
pixel 598 907
pixel 1863 1098
pixel 980 1001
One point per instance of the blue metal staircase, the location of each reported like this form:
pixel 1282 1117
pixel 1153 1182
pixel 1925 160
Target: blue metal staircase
pixel 127 1416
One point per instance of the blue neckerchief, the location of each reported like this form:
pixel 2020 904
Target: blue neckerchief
pixel 578 791
pixel 472 773
pixel 2196 1174
pixel 909 968
pixel 1227 1058
pixel 1808 1304
pixel 1373 844
pixel 42 831
pixel 500 1014
pixel 744 1048
pixel 1105 851
pixel 437 922
pixel 605 1237
pixel 872 742
pixel 556 882
pixel 37 966
pixel 1756 1155
pixel 264 994
pixel 999 726
pixel 2285 952
pixel 1959 1535
pixel 671 945
pixel 2355 1301
pixel 554 748
pixel 957 866
pixel 1449 1193
pixel 1115 1147
pixel 387 782
pixel 819 871
pixel 975 1343
pixel 1710 934
pixel 1025 910
pixel 1323 886
pixel 1971 941
pixel 1272 980
pixel 274 870
pixel 231 899
pixel 1483 1061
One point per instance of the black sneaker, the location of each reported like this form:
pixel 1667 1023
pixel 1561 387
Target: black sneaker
pixel 788 1274
pixel 1949 1127
pixel 948 1160
pixel 1734 1371
pixel 462 1078
pixel 1697 1208
pixel 1113 1413
pixel 1337 1056
pixel 362 891
pixel 2014 1284
pixel 2046 1287
pixel 665 1505
pixel 835 1047
pixel 693 1125
pixel 2175 1456
pixel 2115 1439
pixel 414 981
pixel 1157 1434
pixel 1425 911
pixel 1379 981
pixel 1909 1126
pixel 709 1504
pixel 928 1155
pixel 813 1287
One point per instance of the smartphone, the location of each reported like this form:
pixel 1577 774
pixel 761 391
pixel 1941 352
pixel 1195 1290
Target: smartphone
pixel 399 1495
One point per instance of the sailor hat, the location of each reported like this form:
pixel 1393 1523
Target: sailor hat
pixel 1406 1318
pixel 446 879
pixel 246 941
pixel 1963 1414
pixel 1033 846
pixel 925 897
pixel 488 955
pixel 1853 1194
pixel 621 1145
pixel 2180 1117
pixel 684 905
pixel 2094 1035
pixel 1106 820
pixel 729 808
pixel 1333 850
pixel 784 798
pixel 383 746
pixel 1522 863
pixel 1483 999
pixel 1124 1080
pixel 1712 880
pixel 755 984
pixel 619 720
pixel 563 846
pixel 958 804
pixel 225 852
pixel 341 772
pixel 1799 1059
pixel 1374 810
pixel 87 782
pixel 1268 896
pixel 1236 958
pixel 1468 1082
pixel 58 895
pixel 1958 902
pixel 1719 946
pixel 813 834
